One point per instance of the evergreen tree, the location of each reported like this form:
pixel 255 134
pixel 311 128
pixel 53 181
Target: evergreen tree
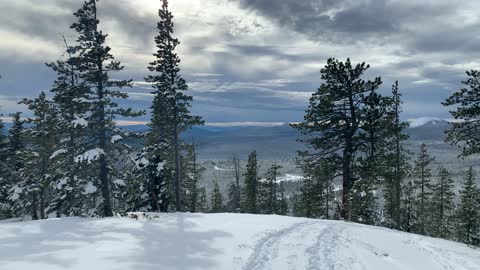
pixel 202 200
pixel 16 156
pixel 171 106
pixel 334 117
pixel 192 173
pixel 363 202
pixel 235 189
pixel 233 204
pixel 468 213
pixel 282 208
pixel 422 184
pixel 396 158
pixel 251 184
pixel 217 199
pixel 316 192
pixel 442 206
pixel 271 183
pixel 70 95
pixel 408 210
pixel 466 132
pixel 5 208
pixel 96 64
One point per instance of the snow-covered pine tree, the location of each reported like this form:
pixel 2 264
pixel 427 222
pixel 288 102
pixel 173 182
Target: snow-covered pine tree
pixel 5 208
pixel 334 117
pixel 422 182
pixel 442 206
pixel 96 65
pixel 216 199
pixel 39 174
pixel 468 213
pixel 465 133
pixel 70 95
pixel 251 184
pixel 171 106
pixel 16 156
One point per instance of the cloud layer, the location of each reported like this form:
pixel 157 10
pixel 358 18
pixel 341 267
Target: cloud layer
pixel 257 60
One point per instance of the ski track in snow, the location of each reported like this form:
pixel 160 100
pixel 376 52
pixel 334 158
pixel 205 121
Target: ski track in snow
pixel 315 251
pixel 266 249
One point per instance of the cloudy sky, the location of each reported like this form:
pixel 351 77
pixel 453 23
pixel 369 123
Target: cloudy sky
pixel 256 60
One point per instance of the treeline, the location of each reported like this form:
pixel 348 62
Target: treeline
pixel 70 159
pixel 355 136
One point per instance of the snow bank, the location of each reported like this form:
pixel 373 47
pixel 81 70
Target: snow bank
pixel 222 241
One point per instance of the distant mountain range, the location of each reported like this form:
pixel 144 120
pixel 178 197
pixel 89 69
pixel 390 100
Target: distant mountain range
pixel 278 142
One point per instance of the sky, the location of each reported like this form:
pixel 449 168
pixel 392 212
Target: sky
pixel 255 62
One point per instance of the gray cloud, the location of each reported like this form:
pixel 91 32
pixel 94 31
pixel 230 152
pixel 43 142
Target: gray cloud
pixel 257 60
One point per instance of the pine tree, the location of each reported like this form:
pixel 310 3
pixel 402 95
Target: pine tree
pixel 422 183
pixel 235 189
pixel 5 208
pixel 16 156
pixel 271 183
pixel 251 184
pixel 282 208
pixel 466 132
pixel 43 138
pixel 334 117
pixel 468 214
pixel 192 173
pixel 363 202
pixel 70 94
pixel 171 106
pixel 316 194
pixel 396 158
pixel 442 206
pixel 202 200
pixel 408 210
pixel 217 199
pixel 96 65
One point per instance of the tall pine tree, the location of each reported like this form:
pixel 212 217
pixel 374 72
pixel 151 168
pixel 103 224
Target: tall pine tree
pixel 334 117
pixel 422 175
pixel 171 106
pixel 96 65
pixel 250 192
pixel 442 206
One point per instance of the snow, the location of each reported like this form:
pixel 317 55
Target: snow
pixel 90 188
pixel 222 241
pixel 116 138
pixel 58 153
pixel 119 182
pixel 215 167
pixel 90 155
pixel 287 178
pixel 422 121
pixel 80 122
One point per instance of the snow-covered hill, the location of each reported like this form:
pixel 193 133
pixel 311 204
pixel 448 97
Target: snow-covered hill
pixel 224 242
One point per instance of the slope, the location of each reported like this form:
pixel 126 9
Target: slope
pixel 222 241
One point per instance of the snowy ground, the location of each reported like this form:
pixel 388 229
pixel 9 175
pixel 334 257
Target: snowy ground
pixel 224 242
